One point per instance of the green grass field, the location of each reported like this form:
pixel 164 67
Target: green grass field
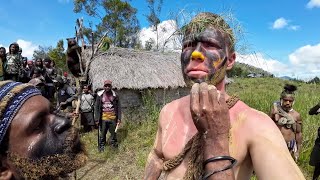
pixel 138 132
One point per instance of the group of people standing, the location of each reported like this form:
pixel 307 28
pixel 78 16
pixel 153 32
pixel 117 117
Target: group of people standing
pixel 39 72
pixel 59 90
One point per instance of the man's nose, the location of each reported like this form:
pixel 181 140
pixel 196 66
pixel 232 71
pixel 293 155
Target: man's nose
pixel 197 53
pixel 61 124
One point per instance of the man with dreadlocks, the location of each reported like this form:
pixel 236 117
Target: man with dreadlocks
pixel 288 120
pixel 13 65
pixel 35 143
pixel 209 134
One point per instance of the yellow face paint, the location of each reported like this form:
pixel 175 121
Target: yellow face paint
pixel 196 55
pixel 216 63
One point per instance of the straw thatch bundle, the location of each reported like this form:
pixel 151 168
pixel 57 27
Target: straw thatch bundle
pixel 134 69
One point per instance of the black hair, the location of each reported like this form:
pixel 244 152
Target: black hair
pixel 289 88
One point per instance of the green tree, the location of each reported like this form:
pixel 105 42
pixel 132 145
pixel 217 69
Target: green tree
pixel 58 55
pixel 315 80
pixel 41 52
pixel 149 44
pixel 154 17
pixel 117 19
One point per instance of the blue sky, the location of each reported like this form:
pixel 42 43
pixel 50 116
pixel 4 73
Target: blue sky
pixel 282 36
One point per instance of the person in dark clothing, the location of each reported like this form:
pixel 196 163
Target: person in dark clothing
pixel 315 154
pixel 50 75
pixel 65 95
pixel 107 112
pixel 315 110
pixel 13 65
pixel 3 59
pixel 39 66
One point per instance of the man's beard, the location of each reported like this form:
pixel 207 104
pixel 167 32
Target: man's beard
pixel 52 166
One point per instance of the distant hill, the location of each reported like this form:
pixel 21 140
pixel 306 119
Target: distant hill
pixel 286 78
pixel 245 70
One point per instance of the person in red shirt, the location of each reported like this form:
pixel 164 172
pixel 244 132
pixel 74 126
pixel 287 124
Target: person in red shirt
pixel 107 112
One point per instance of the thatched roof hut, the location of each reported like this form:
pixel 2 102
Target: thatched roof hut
pixel 133 69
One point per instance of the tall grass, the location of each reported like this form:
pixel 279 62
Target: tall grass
pixel 259 93
pixel 137 136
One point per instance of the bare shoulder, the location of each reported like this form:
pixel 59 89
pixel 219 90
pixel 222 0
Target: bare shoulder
pixel 258 124
pixel 171 108
pixel 296 114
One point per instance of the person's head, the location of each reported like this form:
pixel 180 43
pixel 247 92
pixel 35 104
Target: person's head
pixel 85 89
pixel 208 49
pixel 58 81
pixel 2 52
pixel 39 62
pixel 20 50
pixel 287 97
pixel 47 62
pixel 107 85
pixel 36 73
pixel 14 48
pixel 35 144
pixel 30 64
pixel 65 74
pixel 24 59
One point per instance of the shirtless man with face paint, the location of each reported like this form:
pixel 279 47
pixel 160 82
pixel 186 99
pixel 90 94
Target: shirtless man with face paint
pixel 288 120
pixel 221 128
pixel 35 144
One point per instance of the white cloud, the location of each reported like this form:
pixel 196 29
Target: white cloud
pixel 294 27
pixel 166 39
pixel 303 63
pixel 306 55
pixel 280 23
pixel 27 48
pixel 313 3
pixel 261 61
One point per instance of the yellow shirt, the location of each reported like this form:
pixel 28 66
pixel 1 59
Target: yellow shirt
pixel 108 116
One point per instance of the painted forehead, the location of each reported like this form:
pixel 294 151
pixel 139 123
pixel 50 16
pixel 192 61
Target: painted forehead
pixel 209 32
pixel 209 35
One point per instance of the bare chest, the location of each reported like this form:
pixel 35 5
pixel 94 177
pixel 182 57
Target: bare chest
pixel 179 129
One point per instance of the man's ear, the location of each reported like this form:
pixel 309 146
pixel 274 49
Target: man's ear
pixel 231 60
pixel 5 172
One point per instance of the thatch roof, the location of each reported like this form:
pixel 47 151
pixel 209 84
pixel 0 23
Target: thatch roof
pixel 136 69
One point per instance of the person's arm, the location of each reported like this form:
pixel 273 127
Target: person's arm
pixel 273 114
pixel 299 138
pixel 71 93
pixel 97 109
pixel 268 150
pixel 210 114
pixel 299 123
pixel 118 110
pixel 154 163
pixel 314 110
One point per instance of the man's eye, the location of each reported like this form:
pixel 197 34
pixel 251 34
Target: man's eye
pixel 211 45
pixel 39 126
